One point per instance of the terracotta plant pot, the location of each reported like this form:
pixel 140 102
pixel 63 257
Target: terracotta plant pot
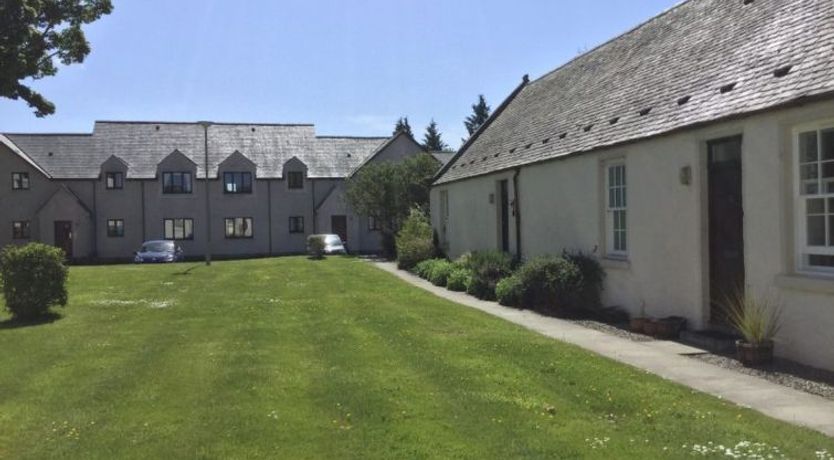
pixel 637 324
pixel 670 328
pixel 650 327
pixel 751 354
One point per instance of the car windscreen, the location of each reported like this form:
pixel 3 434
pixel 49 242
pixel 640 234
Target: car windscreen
pixel 158 246
pixel 332 239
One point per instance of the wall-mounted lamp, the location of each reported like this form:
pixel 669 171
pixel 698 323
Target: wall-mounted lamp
pixel 686 175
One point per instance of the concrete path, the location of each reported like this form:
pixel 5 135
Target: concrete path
pixel 666 359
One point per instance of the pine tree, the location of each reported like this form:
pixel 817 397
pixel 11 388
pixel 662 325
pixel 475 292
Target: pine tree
pixel 402 125
pixel 480 114
pixel 432 140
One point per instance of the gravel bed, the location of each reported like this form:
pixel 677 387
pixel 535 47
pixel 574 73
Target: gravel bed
pixel 619 331
pixel 787 373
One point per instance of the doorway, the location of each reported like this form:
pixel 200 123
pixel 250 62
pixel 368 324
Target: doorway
pixel 726 224
pixel 338 225
pixel 504 214
pixel 63 236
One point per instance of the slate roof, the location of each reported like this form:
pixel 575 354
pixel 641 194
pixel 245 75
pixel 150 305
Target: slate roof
pixel 443 157
pixel 699 62
pixel 142 145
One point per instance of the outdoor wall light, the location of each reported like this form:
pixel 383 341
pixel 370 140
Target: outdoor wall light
pixel 686 175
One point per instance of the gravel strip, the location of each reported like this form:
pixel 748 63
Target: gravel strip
pixel 619 331
pixel 783 372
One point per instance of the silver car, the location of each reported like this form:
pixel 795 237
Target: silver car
pixel 158 252
pixel 333 244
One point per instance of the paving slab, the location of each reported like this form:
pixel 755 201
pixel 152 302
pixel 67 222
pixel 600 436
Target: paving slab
pixel 664 359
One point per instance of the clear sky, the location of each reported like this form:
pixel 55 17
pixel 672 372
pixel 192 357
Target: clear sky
pixel 352 67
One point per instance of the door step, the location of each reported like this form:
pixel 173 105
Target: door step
pixel 714 341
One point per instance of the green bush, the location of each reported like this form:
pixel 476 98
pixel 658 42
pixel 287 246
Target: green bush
pixel 459 279
pixel 34 279
pixel 509 291
pixel 414 242
pixel 593 276
pixel 550 285
pixel 440 272
pixel 315 246
pixel 488 268
pixel 423 269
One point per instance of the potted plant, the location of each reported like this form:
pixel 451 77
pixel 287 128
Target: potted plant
pixel 637 324
pixel 650 327
pixel 757 320
pixel 670 327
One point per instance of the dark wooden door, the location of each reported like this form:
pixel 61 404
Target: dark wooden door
pixel 726 225
pixel 63 236
pixel 504 212
pixel 338 226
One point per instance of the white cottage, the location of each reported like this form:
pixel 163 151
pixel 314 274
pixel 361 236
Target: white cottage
pixel 693 153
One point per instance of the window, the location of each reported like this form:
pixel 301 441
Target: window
pixel 114 181
pixel 296 224
pixel 20 181
pixel 616 211
pixel 237 182
pixel 115 228
pixel 20 230
pixel 176 182
pixel 179 229
pixel 295 180
pixel 373 224
pixel 238 227
pixel 815 152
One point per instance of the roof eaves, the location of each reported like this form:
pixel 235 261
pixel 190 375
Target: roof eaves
pixel 17 151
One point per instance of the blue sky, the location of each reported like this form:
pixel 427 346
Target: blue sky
pixel 350 67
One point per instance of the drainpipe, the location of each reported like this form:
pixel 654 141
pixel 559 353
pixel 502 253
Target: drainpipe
pixel 517 209
pixel 205 125
pixel 269 211
pixel 315 207
pixel 95 222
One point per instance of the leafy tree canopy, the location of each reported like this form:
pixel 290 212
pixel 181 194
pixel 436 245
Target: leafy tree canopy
pixel 389 190
pixel 36 33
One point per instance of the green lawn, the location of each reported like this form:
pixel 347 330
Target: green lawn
pixel 290 358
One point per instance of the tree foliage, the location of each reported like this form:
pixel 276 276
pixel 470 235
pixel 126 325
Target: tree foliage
pixel 433 140
pixel 389 190
pixel 480 114
pixel 34 279
pixel 34 34
pixel 402 125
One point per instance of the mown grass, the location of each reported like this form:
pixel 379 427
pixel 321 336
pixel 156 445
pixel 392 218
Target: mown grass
pixel 292 358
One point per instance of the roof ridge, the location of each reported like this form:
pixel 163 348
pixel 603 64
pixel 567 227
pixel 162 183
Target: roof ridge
pixel 355 137
pixel 219 123
pixel 49 134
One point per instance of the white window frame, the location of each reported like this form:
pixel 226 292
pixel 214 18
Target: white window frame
pixel 612 209
pixel 802 249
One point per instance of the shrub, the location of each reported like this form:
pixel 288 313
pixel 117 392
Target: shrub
pixel 488 268
pixel 34 279
pixel 593 275
pixel 440 272
pixel 509 291
pixel 315 246
pixel 757 318
pixel 423 269
pixel 415 241
pixel 550 285
pixel 459 279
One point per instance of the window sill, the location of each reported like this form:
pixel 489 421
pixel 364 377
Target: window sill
pixel 615 263
pixel 808 282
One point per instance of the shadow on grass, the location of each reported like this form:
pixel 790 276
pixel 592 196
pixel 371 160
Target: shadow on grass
pixel 187 271
pixel 48 318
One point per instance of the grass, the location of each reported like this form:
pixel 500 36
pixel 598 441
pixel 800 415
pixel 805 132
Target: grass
pixel 292 358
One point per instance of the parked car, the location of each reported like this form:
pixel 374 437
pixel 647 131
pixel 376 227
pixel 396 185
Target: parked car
pixel 333 244
pixel 158 252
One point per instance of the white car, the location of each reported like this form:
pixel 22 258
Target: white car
pixel 333 244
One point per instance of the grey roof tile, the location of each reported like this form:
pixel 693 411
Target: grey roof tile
pixel 142 145
pixel 692 50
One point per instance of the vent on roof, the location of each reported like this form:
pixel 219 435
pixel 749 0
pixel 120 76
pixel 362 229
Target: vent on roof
pixel 253 130
pixel 349 155
pixel 528 146
pixel 496 155
pixel 727 88
pixel 50 154
pixel 645 112
pixel 546 141
pixel 484 159
pixel 512 150
pixel 614 121
pixel 588 128
pixel 684 100
pixel 746 2
pixel 563 135
pixel 157 127
pixel 782 71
